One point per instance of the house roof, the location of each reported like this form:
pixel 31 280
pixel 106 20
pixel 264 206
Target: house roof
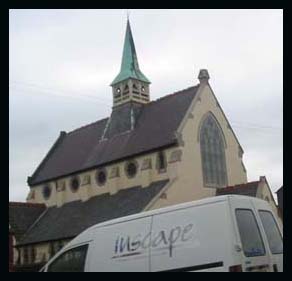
pixel 23 215
pixel 72 218
pixel 130 67
pixel 84 148
pixel 248 189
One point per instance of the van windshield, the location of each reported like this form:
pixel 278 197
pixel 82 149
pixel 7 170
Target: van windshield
pixel 272 231
pixel 250 236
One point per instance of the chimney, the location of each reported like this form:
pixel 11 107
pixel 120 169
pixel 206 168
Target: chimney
pixel 203 76
pixel 262 179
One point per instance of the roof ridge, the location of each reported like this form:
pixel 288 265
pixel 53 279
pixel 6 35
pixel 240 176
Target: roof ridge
pixel 241 184
pixel 151 102
pixel 87 125
pixel 173 94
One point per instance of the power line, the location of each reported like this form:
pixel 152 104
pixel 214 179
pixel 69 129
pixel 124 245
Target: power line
pixel 68 98
pixel 52 92
pixel 68 93
pixel 255 126
pixel 258 130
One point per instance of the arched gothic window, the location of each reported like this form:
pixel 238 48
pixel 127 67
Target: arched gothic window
pixel 212 153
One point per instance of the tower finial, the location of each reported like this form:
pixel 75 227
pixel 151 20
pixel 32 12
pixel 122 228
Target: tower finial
pixel 129 66
pixel 128 15
pixel 203 76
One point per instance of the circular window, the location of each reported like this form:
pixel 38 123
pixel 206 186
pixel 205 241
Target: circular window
pixel 101 177
pixel 75 183
pixel 118 90
pixel 47 192
pixel 143 89
pixel 131 169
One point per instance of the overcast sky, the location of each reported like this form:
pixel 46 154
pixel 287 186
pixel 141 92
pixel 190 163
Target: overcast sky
pixel 62 62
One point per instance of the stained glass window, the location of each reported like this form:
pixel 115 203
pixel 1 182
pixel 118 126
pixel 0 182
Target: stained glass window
pixel 212 153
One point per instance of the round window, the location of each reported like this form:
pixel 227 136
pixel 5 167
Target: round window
pixel 143 89
pixel 75 184
pixel 131 169
pixel 47 192
pixel 101 177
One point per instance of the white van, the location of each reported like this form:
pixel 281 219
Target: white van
pixel 230 233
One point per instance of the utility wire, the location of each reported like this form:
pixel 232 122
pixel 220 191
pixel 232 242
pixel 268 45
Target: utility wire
pixel 256 126
pixel 68 93
pixel 103 102
pixel 54 94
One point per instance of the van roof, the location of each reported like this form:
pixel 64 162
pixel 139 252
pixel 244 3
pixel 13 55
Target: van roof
pixel 170 208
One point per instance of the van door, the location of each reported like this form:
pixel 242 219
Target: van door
pixel 255 256
pixel 191 239
pixel 121 247
pixel 273 234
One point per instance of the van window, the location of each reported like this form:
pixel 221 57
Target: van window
pixel 272 231
pixel 71 261
pixel 250 236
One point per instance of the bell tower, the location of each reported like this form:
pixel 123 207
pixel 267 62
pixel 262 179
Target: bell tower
pixel 130 84
pixel 130 92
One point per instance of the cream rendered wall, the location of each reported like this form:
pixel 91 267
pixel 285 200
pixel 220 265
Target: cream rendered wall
pixel 42 252
pixel 264 192
pixel 112 185
pixel 189 182
pixel 15 251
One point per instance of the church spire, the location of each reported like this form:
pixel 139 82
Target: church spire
pixel 130 84
pixel 130 66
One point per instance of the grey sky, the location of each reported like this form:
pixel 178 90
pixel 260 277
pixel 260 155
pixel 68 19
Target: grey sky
pixel 62 62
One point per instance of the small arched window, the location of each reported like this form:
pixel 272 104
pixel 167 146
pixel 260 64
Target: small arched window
pixel 212 153
pixel 74 184
pixel 47 192
pixel 126 90
pixel 101 177
pixel 117 93
pixel 135 89
pixel 161 161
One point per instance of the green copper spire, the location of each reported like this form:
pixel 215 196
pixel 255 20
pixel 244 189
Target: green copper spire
pixel 130 66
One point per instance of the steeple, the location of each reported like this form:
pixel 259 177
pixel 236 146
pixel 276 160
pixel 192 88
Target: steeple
pixel 130 84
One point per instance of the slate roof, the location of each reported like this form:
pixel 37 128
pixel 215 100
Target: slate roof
pixel 72 218
pixel 23 215
pixel 122 118
pixel 83 148
pixel 280 189
pixel 248 189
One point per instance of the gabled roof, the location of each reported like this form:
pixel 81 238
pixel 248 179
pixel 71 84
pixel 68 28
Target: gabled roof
pixel 130 67
pixel 84 148
pixel 248 189
pixel 74 217
pixel 23 215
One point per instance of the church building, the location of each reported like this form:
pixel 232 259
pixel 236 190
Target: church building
pixel 147 154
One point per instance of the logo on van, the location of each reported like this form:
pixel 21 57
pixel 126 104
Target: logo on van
pixel 129 246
